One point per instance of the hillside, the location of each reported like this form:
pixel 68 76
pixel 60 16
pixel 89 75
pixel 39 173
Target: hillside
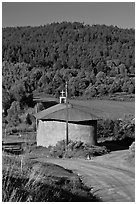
pixel 69 44
pixel 96 60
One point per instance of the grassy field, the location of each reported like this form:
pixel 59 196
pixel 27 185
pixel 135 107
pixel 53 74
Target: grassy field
pixel 107 108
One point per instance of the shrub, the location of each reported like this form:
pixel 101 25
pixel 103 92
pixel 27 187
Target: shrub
pixel 76 149
pixel 58 150
pixel 130 157
pixel 22 127
pixel 116 129
pixel 105 128
pixel 132 149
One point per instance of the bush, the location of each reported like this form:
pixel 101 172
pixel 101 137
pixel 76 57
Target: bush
pixel 130 157
pixel 22 127
pixel 105 128
pixel 132 149
pixel 58 150
pixel 116 129
pixel 76 149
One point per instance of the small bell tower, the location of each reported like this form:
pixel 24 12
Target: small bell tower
pixel 62 97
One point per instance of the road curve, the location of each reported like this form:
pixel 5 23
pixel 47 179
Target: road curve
pixel 107 176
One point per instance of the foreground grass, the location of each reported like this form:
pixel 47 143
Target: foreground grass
pixel 38 182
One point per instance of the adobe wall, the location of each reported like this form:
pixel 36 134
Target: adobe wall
pixel 50 132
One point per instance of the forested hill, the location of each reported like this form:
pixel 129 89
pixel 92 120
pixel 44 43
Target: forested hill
pixel 68 43
pixel 90 57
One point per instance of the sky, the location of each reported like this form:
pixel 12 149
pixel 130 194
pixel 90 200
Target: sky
pixel 121 14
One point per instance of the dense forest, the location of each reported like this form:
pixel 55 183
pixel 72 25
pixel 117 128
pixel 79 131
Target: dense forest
pixel 96 60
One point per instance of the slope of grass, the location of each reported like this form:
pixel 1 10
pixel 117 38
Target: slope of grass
pixel 38 182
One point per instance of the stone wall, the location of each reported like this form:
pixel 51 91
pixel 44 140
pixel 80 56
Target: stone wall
pixel 50 132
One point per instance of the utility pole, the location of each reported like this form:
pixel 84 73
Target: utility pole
pixel 66 89
pixel 36 108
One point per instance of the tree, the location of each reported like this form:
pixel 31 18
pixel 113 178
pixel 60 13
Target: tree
pixel 114 87
pixel 102 89
pixel 131 89
pixel 100 76
pixel 13 114
pixel 122 69
pixel 132 70
pixel 18 92
pixel 7 100
pixel 28 119
pixel 91 91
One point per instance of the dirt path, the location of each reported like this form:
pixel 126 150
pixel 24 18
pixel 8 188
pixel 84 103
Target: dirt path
pixel 108 176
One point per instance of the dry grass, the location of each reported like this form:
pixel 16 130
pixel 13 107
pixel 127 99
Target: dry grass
pixel 39 182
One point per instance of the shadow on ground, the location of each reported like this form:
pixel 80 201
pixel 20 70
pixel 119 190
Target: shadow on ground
pixel 117 145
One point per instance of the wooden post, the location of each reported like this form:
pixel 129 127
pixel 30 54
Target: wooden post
pixel 66 88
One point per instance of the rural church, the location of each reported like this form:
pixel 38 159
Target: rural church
pixel 51 128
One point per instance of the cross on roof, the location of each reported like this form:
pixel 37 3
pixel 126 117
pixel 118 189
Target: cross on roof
pixel 62 92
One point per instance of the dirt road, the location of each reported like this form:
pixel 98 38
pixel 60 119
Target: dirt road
pixel 109 177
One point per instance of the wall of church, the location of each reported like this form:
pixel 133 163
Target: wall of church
pixel 50 132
